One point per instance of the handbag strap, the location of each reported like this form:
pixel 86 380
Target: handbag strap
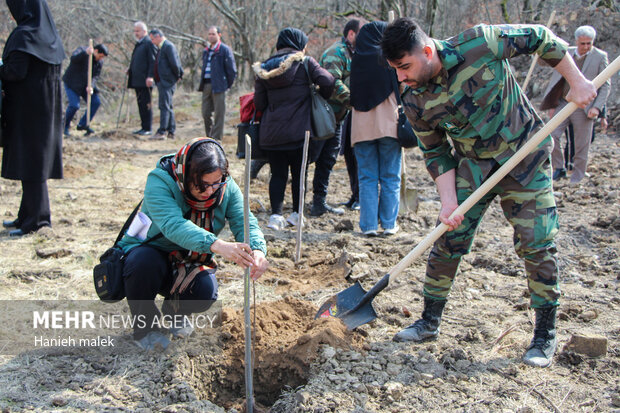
pixel 128 223
pixel 305 63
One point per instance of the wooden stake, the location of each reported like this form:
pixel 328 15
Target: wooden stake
pixel 249 387
pixel 302 191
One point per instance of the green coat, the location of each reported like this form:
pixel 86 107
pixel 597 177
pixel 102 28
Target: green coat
pixel 165 205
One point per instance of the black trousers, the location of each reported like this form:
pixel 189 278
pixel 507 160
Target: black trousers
pixel 34 209
pixel 325 162
pixel 569 149
pixel 349 158
pixel 143 95
pixel 280 162
pixel 147 272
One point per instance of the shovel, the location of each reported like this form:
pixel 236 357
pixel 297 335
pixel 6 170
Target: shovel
pixel 408 196
pixel 89 82
pixel 354 305
pixel 535 58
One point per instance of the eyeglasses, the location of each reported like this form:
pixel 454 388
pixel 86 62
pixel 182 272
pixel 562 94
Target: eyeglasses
pixel 203 186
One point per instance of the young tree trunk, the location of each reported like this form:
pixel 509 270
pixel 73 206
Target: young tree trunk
pixel 431 10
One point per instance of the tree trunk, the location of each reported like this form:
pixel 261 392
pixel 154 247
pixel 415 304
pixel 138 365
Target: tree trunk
pixel 431 10
pixel 505 15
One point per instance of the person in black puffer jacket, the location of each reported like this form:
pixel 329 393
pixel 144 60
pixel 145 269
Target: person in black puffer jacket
pixel 282 93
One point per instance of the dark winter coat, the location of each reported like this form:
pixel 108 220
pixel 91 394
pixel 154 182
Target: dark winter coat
pixel 168 65
pixel 142 63
pixel 31 118
pixel 223 69
pixel 282 93
pixel 76 75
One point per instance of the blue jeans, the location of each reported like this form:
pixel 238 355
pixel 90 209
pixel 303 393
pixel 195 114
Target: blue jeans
pixel 74 106
pixel 378 165
pixel 166 113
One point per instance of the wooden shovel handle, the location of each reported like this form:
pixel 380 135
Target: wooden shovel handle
pixel 89 79
pixel 525 150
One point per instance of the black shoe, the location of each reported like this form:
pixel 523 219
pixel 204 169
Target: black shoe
pixel 319 208
pixel 426 328
pixel 159 136
pixel 171 135
pixel 542 348
pixel 144 133
pixel 88 129
pixel 16 233
pixel 10 224
pixel 352 204
pixel 559 174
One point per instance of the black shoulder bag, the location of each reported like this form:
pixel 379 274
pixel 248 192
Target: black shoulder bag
pixel 252 129
pixel 406 136
pixel 108 274
pixel 322 115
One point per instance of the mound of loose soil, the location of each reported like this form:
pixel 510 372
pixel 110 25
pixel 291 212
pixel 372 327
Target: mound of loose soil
pixel 286 340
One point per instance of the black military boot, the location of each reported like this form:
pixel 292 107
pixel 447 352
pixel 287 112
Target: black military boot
pixel 319 207
pixel 426 328
pixel 543 345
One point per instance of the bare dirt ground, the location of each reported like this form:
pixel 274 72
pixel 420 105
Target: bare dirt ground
pixel 307 365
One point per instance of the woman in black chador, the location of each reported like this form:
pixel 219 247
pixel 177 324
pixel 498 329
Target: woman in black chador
pixel 32 111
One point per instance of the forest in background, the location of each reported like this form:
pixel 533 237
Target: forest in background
pixel 251 26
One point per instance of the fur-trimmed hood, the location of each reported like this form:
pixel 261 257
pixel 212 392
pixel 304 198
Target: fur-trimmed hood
pixel 277 69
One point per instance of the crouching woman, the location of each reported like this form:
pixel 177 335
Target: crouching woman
pixel 189 197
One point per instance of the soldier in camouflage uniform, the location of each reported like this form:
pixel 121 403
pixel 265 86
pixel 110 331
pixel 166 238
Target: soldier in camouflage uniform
pixel 337 61
pixel 463 88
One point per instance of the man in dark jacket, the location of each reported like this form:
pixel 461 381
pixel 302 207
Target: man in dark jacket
pixel 166 72
pixel 140 76
pixel 76 84
pixel 218 74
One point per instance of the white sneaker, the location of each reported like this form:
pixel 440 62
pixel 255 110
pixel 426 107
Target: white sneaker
pixel 277 222
pixel 183 331
pixel 154 340
pixel 391 231
pixel 293 219
pixel 371 233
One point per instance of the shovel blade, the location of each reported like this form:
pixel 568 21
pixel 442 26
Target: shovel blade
pixel 408 200
pixel 340 305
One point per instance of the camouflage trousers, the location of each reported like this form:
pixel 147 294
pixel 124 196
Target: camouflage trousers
pixel 532 213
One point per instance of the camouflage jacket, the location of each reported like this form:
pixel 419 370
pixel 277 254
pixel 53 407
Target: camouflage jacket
pixel 337 61
pixel 476 101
